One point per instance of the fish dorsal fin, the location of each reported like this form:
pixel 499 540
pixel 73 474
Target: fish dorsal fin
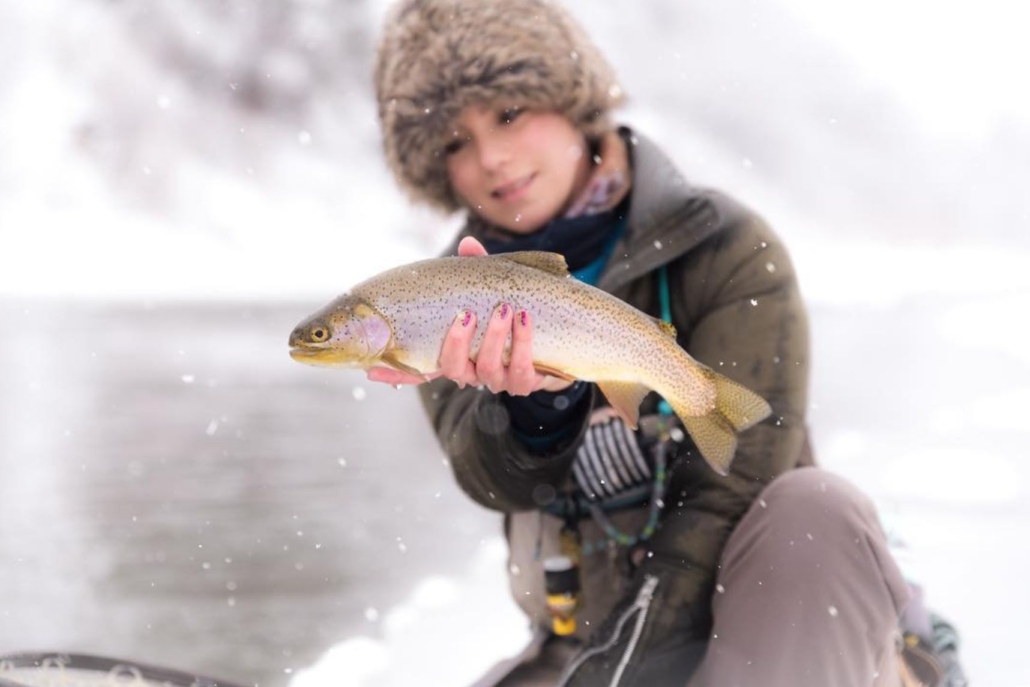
pixel 552 263
pixel 666 328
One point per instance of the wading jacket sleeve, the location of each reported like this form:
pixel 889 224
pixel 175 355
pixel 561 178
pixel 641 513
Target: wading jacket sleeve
pixel 490 463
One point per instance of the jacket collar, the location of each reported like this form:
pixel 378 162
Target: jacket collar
pixel 667 216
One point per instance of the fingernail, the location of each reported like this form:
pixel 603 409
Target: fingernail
pixel 522 317
pixel 466 319
pixel 504 311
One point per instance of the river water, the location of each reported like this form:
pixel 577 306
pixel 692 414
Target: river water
pixel 176 490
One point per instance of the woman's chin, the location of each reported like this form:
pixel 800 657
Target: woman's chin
pixel 525 220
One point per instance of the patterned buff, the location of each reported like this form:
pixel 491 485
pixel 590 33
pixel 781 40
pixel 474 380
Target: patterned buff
pixel 609 180
pixel 609 462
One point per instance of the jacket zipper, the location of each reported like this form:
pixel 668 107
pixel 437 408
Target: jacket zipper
pixel 640 607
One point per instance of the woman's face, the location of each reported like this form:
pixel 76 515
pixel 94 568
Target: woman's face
pixel 515 168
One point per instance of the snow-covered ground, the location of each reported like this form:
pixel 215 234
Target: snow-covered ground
pixel 132 169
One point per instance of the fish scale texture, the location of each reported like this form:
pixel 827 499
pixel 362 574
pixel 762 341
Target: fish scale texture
pixel 576 328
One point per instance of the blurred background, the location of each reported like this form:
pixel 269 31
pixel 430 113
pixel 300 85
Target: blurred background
pixel 182 181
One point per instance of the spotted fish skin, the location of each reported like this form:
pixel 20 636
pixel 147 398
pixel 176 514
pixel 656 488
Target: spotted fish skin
pixel 400 317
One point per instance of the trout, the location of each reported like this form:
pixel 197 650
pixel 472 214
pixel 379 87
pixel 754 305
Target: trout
pixel 399 318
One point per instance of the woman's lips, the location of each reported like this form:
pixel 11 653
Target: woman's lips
pixel 513 190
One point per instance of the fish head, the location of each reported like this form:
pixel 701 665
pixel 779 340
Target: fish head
pixel 346 333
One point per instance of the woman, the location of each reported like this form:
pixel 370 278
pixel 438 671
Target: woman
pixel 776 574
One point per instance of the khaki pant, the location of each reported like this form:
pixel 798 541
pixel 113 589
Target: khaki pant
pixel 808 595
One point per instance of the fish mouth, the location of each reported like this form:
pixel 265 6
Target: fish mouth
pixel 323 357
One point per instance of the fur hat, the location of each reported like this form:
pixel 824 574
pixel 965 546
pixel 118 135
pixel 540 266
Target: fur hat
pixel 438 56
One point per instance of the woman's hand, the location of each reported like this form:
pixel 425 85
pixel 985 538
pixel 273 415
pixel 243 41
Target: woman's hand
pixel 518 377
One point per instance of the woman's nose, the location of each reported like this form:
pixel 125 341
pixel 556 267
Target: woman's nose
pixel 494 152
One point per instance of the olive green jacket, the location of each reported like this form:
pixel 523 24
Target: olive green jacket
pixel 736 307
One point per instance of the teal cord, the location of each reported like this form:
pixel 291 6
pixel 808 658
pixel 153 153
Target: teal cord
pixel 665 299
pixel 613 534
pixel 663 294
pixel 661 475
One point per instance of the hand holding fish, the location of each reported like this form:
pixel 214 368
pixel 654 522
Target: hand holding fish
pixel 518 377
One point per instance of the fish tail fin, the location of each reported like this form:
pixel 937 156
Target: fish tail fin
pixel 715 433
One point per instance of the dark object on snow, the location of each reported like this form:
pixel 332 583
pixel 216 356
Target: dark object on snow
pixel 945 643
pixel 83 670
pixel 933 659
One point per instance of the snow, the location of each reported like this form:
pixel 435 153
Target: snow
pixel 952 93
pixel 412 633
pixel 894 172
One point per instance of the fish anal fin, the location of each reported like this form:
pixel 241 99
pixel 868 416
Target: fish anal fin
pixel 552 263
pixel 553 372
pixel 714 437
pixel 625 399
pixel 740 406
pixel 390 358
pixel 714 428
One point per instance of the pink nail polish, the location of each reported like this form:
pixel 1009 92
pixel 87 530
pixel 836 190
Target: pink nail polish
pixel 522 318
pixel 465 320
pixel 504 311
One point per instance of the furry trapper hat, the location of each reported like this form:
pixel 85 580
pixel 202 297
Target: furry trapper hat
pixel 438 56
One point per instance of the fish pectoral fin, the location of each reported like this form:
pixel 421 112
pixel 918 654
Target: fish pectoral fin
pixel 625 399
pixel 390 358
pixel 554 372
pixel 552 263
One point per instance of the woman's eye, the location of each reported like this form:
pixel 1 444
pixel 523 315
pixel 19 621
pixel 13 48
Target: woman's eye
pixel 510 115
pixel 453 146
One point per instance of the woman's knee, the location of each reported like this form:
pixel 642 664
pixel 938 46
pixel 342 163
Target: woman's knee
pixel 810 528
pixel 806 497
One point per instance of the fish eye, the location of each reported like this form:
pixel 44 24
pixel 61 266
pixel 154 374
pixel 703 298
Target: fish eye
pixel 319 334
